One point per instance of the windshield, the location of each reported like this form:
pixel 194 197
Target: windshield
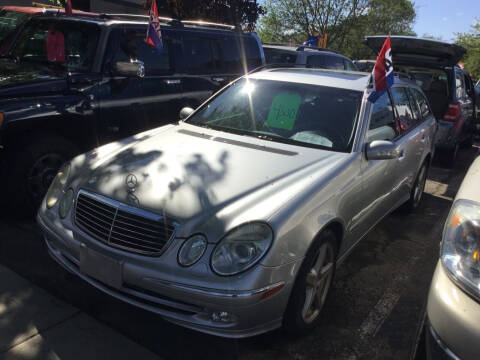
pixel 300 114
pixel 67 45
pixel 9 21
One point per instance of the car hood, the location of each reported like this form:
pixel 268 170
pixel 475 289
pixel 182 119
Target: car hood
pixel 186 172
pixel 411 51
pixel 24 78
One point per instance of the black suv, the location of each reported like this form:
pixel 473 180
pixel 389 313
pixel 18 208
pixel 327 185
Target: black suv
pixel 72 83
pixel 307 55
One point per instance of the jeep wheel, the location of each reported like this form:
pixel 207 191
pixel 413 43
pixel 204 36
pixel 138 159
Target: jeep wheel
pixel 34 168
pixel 312 285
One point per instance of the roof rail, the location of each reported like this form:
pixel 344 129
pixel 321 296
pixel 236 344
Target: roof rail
pixel 303 47
pixel 208 24
pixel 170 21
pixel 404 75
pixel 278 44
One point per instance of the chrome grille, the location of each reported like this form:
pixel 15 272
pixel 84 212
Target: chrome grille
pixel 122 226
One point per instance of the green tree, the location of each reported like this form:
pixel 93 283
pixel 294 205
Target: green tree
pixel 471 42
pixel 238 12
pixel 346 22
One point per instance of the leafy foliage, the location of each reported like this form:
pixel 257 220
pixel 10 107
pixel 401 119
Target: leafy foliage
pixel 346 22
pixel 471 42
pixel 238 12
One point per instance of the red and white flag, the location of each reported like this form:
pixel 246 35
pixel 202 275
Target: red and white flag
pixel 382 73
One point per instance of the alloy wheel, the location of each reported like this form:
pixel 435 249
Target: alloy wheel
pixel 420 186
pixel 42 173
pixel 317 283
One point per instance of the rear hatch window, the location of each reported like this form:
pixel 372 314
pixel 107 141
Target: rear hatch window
pixel 277 56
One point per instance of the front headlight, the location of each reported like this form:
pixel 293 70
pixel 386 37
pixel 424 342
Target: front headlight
pixel 57 186
pixel 461 244
pixel 242 248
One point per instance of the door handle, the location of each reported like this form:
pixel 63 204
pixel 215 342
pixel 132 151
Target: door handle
pixel 401 155
pixel 218 79
pixel 173 81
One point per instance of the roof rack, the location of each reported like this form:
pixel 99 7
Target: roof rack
pixel 170 21
pixel 208 24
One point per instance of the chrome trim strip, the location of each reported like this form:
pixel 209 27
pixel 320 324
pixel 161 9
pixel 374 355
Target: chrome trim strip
pixel 441 344
pixel 216 292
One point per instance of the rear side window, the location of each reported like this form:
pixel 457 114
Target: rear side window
pixel 422 103
pixel 326 62
pixel 459 85
pixel 240 52
pixel 127 44
pixel 202 54
pixel 382 120
pixel 349 65
pixel 402 105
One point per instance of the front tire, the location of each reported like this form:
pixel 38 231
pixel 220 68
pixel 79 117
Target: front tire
pixel 312 285
pixel 32 170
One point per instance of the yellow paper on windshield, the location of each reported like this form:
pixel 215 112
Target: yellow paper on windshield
pixel 283 111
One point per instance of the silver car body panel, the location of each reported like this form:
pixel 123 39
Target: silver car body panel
pixel 209 182
pixel 452 313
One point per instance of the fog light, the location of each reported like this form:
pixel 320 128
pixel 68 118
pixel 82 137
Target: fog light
pixel 222 316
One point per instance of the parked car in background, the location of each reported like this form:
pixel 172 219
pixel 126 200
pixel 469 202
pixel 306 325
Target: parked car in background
pixel 449 88
pixel 233 221
pixel 13 18
pixel 452 323
pixel 306 55
pixel 364 65
pixel 72 83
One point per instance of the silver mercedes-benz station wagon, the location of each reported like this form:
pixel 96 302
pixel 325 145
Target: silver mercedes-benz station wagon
pixel 233 220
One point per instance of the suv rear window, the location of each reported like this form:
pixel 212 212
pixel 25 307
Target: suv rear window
pixel 422 103
pixel 403 107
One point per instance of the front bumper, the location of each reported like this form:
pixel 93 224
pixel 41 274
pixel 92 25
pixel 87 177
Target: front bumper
pixel 453 319
pixel 250 312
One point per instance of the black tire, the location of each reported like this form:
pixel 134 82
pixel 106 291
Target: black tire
pixel 294 320
pixel 31 169
pixel 417 190
pixel 468 142
pixel 448 156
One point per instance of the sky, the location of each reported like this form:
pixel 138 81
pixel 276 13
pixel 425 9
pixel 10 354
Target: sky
pixel 443 18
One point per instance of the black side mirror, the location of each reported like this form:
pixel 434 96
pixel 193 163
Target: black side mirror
pixel 134 68
pixel 185 112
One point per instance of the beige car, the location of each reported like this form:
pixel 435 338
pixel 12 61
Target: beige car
pixel 452 325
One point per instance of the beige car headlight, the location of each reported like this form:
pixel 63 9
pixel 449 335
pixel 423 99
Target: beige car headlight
pixel 57 187
pixel 461 245
pixel 241 248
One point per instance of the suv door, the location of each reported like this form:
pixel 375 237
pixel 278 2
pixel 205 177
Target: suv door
pixel 132 104
pixel 428 123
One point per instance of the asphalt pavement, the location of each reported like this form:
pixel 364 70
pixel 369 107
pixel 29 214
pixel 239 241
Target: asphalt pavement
pixel 373 312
